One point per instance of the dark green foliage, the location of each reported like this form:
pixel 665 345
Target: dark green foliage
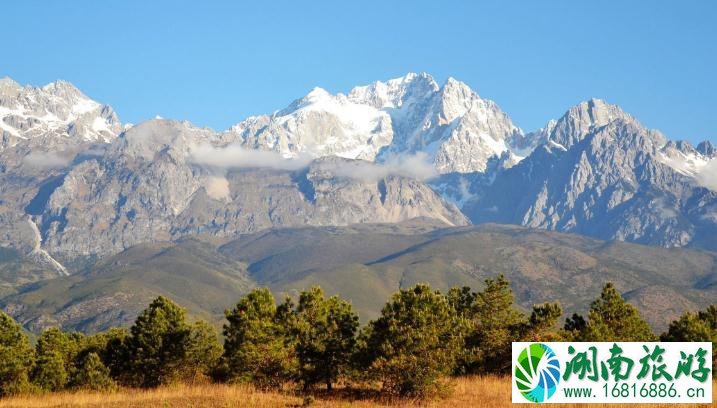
pixel 542 322
pixel 92 374
pixel 157 346
pixel 56 352
pixel 611 318
pixel 203 352
pixel 463 300
pixel 16 357
pixel 50 372
pixel 414 343
pixel 114 353
pixel 496 325
pixel 325 334
pixel 420 337
pixel 493 322
pixel 700 326
pixel 257 347
pixel 574 325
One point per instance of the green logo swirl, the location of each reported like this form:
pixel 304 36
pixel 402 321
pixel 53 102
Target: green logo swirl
pixel 537 373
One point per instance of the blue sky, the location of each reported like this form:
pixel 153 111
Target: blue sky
pixel 218 62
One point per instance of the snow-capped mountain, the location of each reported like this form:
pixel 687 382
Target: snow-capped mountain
pixel 450 125
pixel 74 183
pixel 57 110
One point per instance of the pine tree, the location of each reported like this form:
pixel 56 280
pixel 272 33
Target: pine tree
pixel 50 373
pixel 497 319
pixel 203 352
pixel 56 352
pixel 16 357
pixel 325 334
pixel 493 323
pixel 699 326
pixel 611 318
pixel 257 347
pixel 157 346
pixel 542 322
pixel 413 344
pixel 92 374
pixel 113 348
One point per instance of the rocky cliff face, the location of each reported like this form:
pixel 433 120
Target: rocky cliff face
pixel 602 173
pixel 148 187
pixel 44 132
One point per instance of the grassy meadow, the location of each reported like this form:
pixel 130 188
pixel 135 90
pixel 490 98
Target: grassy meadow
pixel 485 391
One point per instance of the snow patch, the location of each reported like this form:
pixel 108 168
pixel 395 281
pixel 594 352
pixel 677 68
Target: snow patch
pixel 41 255
pixel 702 169
pixel 218 188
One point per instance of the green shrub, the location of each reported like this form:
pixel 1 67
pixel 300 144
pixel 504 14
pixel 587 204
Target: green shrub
pixel 699 326
pixel 203 353
pixel 492 324
pixel 157 349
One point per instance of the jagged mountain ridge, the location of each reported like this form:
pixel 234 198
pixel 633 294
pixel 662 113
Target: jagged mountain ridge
pixel 146 188
pixel 601 173
pixel 55 111
pixel 454 128
pixel 72 190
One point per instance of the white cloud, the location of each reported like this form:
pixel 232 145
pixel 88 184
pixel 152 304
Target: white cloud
pixel 413 166
pixel 235 156
pixel 49 160
pixel 708 175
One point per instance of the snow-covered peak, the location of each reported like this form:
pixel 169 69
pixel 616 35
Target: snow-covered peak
pixel 316 94
pixel 681 156
pixel 9 86
pixel 449 125
pixel 319 124
pixel 523 145
pixel 56 110
pixel 395 92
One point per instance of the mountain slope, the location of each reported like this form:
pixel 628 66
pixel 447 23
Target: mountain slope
pixel 366 264
pixel 116 290
pixel 541 265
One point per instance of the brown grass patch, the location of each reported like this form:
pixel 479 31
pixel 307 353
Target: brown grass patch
pixel 488 392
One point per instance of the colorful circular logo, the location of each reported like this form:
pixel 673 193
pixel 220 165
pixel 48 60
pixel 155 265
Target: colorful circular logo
pixel 537 373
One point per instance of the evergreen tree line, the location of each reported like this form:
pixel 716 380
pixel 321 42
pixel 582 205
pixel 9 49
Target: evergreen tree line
pixel 421 337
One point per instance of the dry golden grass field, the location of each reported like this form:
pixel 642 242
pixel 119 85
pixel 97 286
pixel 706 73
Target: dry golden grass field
pixel 486 392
